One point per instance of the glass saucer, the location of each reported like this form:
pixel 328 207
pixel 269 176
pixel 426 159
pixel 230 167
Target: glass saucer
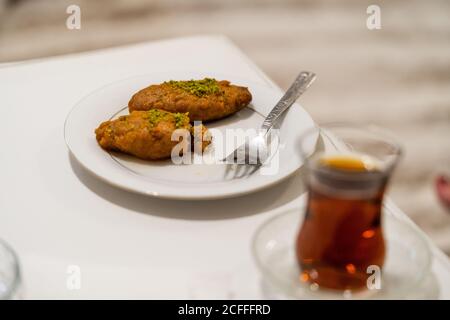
pixel 407 263
pixel 9 273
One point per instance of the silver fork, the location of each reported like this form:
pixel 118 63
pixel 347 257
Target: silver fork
pixel 254 150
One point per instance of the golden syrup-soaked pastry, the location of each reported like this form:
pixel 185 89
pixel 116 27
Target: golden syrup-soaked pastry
pixel 204 100
pixel 144 134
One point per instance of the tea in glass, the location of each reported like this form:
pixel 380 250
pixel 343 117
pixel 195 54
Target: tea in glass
pixel 341 235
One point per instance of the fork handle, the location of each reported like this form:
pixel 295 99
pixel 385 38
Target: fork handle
pixel 301 83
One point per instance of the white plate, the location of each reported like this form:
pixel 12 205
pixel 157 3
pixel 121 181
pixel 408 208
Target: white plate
pixel 165 179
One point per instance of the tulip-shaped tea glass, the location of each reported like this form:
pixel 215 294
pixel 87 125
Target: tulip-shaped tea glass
pixel 341 237
pixel 343 243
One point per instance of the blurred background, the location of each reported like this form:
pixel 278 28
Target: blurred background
pixel 397 77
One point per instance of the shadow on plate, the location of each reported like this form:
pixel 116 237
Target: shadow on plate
pixel 233 119
pixel 231 208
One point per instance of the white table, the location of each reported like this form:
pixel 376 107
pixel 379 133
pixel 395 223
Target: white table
pixel 55 214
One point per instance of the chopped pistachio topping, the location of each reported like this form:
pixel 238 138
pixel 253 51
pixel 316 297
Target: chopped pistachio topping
pixel 155 116
pixel 181 119
pixel 199 88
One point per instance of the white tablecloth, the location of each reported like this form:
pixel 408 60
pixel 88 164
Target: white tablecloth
pixel 57 215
